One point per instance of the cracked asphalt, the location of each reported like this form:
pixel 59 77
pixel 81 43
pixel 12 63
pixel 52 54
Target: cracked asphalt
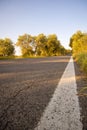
pixel 26 87
pixel 63 110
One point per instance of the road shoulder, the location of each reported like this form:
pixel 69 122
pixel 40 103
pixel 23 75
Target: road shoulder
pixel 81 81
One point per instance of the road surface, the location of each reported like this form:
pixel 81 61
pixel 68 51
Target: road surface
pixel 26 88
pixel 63 110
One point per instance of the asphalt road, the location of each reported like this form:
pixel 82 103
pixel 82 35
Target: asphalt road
pixel 26 87
pixel 63 110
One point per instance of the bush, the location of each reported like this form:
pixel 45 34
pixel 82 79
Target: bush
pixel 80 57
pixel 84 65
pixel 82 61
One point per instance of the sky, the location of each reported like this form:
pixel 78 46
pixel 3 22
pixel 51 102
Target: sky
pixel 60 17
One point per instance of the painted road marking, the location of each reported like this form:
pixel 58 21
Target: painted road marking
pixel 62 112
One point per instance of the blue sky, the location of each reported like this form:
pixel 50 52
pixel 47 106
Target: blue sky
pixel 60 17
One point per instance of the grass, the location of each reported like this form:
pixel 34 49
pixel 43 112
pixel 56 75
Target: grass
pixel 82 61
pixel 34 56
pixel 82 92
pixel 6 57
pixel 19 57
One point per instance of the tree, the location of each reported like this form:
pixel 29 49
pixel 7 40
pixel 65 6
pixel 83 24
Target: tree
pixel 75 37
pixel 41 45
pixel 63 51
pixel 53 45
pixel 25 43
pixel 6 47
pixel 78 42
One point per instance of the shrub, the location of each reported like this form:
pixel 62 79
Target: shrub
pixel 80 57
pixel 82 61
pixel 84 65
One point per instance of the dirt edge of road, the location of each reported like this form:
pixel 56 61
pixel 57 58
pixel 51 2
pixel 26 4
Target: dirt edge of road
pixel 81 80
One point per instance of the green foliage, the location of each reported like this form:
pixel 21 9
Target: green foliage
pixel 53 45
pixel 40 45
pixel 75 38
pixel 68 52
pixel 25 43
pixel 80 57
pixel 6 47
pixel 84 65
pixel 78 42
pixel 82 61
pixel 80 46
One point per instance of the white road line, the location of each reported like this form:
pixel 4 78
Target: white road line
pixel 62 112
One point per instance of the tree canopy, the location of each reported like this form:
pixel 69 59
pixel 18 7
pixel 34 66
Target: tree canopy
pixel 6 47
pixel 25 42
pixel 78 42
pixel 40 45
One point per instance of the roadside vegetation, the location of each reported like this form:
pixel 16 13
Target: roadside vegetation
pixel 40 45
pixel 6 48
pixel 32 47
pixel 78 43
